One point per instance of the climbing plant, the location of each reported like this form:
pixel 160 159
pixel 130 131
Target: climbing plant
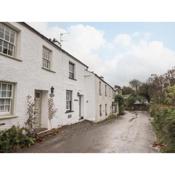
pixel 51 108
pixel 31 121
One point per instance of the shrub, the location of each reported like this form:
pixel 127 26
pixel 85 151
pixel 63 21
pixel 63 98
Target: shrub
pixel 164 124
pixel 120 100
pixel 15 138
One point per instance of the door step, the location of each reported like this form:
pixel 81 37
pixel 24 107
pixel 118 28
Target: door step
pixel 47 132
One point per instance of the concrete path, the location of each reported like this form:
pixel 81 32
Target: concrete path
pixel 131 133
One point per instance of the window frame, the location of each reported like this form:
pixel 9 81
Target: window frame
pixel 45 59
pixel 10 98
pixel 100 110
pixel 106 111
pixel 72 72
pixel 100 88
pixel 6 33
pixel 105 90
pixel 69 100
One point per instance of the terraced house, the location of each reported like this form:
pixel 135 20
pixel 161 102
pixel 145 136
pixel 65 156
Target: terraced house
pixel 33 65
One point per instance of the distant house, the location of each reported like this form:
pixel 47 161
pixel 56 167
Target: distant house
pixel 140 105
pixel 32 65
pixel 100 97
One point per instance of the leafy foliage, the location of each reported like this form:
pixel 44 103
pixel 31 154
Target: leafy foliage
pixel 14 138
pixel 170 95
pixel 144 91
pixel 51 108
pixel 135 84
pixel 162 109
pixel 127 90
pixel 32 120
pixel 119 98
pixel 164 124
pixel 132 99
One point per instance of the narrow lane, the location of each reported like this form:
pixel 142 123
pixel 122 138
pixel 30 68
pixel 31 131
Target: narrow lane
pixel 130 133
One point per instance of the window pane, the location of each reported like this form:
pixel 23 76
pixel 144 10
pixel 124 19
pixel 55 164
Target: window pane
pixel 6 101
pixel 68 100
pixel 46 58
pixel 5 46
pixel 71 67
pixel 7 42
pixel 9 94
pixel 10 50
pixel 7 108
pixel 12 37
pixel 1 108
pixel 4 86
pixel 1 31
pixel 1 102
pixel 9 87
pixel 5 97
pixel 3 93
pixel 7 34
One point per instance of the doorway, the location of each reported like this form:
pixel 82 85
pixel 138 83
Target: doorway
pixel 80 107
pixel 37 108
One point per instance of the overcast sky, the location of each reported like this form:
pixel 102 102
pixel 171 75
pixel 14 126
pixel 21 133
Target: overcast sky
pixel 118 51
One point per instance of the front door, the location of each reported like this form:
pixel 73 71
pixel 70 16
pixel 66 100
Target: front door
pixel 80 107
pixel 37 108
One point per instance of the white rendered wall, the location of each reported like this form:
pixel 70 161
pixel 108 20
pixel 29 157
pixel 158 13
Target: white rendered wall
pixel 28 76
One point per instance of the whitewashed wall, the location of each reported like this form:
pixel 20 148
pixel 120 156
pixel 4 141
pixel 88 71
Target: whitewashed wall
pixel 28 76
pixel 95 99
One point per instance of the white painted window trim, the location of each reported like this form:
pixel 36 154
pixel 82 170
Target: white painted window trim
pixel 46 59
pixel 9 42
pixel 69 100
pixel 11 98
pixel 72 72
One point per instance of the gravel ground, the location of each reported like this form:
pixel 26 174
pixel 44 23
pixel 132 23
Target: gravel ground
pixel 131 133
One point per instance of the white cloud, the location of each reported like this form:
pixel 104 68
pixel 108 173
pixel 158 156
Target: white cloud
pixel 123 40
pixel 134 55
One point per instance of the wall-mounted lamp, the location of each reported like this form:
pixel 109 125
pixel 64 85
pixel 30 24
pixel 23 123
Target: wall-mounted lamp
pixel 52 91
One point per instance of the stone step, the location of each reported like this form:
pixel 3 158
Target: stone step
pixel 47 132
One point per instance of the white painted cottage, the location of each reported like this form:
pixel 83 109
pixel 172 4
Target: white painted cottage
pixel 31 64
pixel 100 97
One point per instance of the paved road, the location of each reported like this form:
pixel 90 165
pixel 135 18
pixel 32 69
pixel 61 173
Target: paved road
pixel 130 133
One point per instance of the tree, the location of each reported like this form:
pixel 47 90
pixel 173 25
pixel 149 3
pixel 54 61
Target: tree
pixel 127 90
pixel 135 84
pixel 170 95
pixel 144 90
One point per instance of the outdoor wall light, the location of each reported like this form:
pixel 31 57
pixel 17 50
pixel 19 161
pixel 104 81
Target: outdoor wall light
pixel 52 91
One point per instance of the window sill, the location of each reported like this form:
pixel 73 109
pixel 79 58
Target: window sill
pixel 73 79
pixel 48 70
pixel 4 117
pixel 69 112
pixel 11 57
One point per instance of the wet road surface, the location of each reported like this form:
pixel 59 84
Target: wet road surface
pixel 129 133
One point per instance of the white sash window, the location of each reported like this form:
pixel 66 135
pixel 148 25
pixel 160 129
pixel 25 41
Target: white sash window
pixel 47 58
pixel 7 40
pixel 6 98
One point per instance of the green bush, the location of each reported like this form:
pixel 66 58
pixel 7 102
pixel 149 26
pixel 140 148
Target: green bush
pixel 120 100
pixel 15 138
pixel 164 124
